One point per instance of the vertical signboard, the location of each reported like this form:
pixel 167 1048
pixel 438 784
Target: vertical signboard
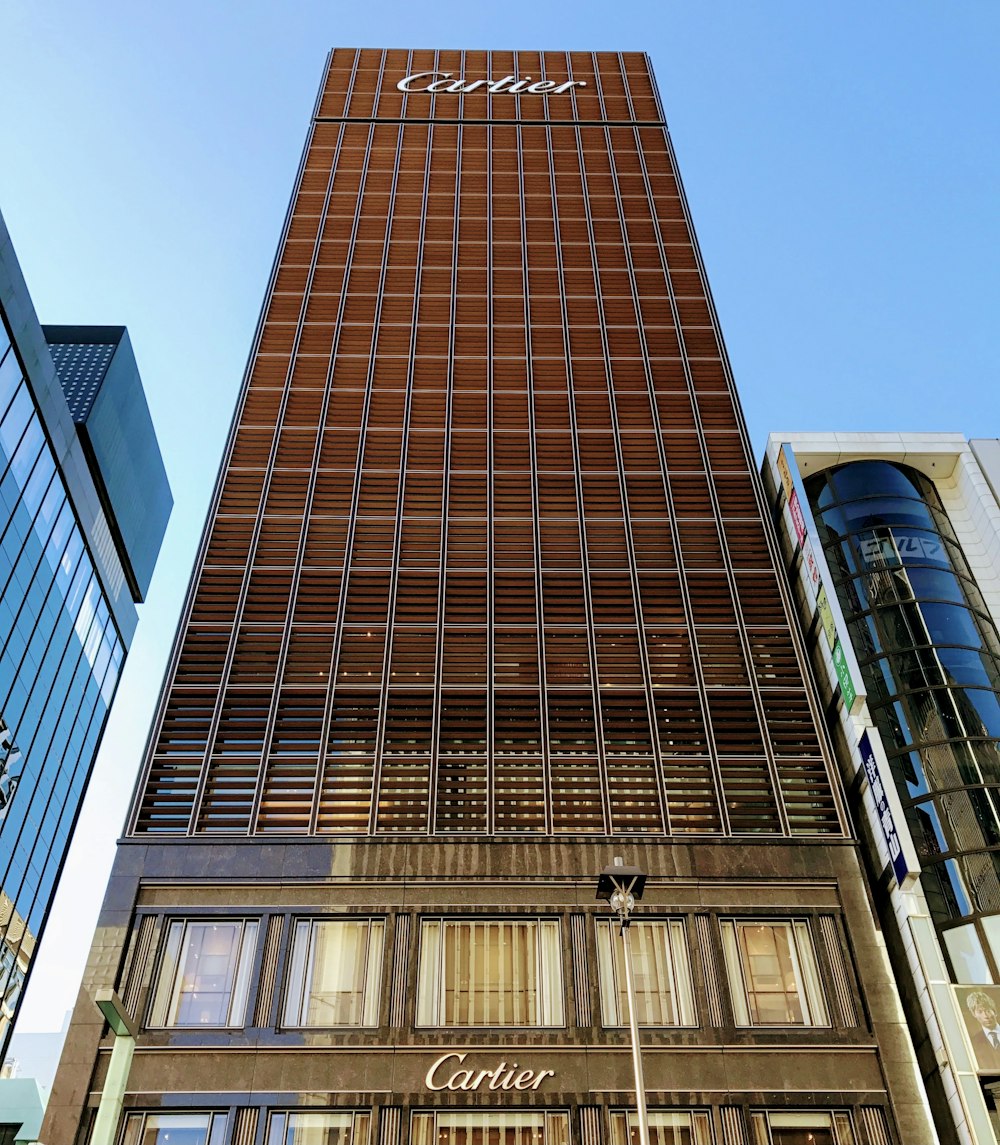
pixel 813 566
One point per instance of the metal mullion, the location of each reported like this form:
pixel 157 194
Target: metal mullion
pixel 536 526
pixel 390 627
pixel 49 642
pixel 703 446
pixel 63 702
pixel 445 484
pixel 33 415
pixel 620 459
pixel 296 572
pixel 667 488
pixel 43 449
pixel 31 535
pixel 258 521
pixel 776 562
pixel 585 564
pixel 307 517
pixel 358 468
pixel 166 689
pixel 543 707
pixel 490 488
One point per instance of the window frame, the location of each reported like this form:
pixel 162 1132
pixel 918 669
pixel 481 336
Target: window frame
pixel 477 1115
pixel 276 1126
pixel 840 1119
pixel 218 1121
pixel 163 998
pixel 682 1004
pixel 372 973
pixel 805 965
pixel 430 1013
pixel 700 1122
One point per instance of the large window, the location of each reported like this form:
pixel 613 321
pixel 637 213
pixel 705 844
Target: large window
pixel 772 973
pixel 805 1128
pixel 174 1129
pixel 486 1127
pixel 666 1127
pixel 318 1127
pixel 335 972
pixel 490 972
pixel 661 971
pixel 204 974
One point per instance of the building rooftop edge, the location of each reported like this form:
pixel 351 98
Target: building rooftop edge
pixel 33 351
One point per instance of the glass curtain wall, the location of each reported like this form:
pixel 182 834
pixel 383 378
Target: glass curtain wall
pixel 930 656
pixel 60 658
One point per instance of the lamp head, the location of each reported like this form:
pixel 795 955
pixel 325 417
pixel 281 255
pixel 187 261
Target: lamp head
pixel 629 881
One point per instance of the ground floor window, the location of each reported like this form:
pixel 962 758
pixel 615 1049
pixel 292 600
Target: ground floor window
pixel 802 1128
pixel 318 1127
pixel 666 1127
pixel 174 1129
pixel 486 1127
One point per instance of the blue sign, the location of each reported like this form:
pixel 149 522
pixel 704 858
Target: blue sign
pixel 882 810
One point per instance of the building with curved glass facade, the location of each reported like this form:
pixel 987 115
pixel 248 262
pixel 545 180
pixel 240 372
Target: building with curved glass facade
pixel 67 590
pixel 901 535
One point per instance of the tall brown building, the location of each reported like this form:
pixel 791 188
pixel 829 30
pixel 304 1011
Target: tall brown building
pixel 484 599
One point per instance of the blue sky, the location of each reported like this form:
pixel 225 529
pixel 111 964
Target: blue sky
pixel 842 163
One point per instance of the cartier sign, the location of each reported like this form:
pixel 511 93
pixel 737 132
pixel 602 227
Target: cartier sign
pixel 446 1073
pixel 443 81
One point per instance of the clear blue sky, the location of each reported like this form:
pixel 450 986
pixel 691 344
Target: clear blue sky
pixel 842 162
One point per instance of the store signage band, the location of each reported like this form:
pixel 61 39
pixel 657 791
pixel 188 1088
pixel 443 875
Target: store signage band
pixel 504 1076
pixel 508 85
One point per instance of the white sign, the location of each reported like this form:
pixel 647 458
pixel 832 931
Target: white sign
pixel 509 84
pixel 502 1076
pixel 899 546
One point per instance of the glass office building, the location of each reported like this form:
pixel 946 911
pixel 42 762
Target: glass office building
pixel 906 531
pixel 487 597
pixel 66 617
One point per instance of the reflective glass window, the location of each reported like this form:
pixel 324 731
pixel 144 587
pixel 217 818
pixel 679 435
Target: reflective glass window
pixel 874 512
pixel 661 973
pixel 319 1127
pixel 968 961
pixel 490 972
pixel 204 973
pixel 666 1127
pixel 809 1127
pixel 174 1129
pixel 335 972
pixel 495 1127
pixel 773 977
pixel 863 478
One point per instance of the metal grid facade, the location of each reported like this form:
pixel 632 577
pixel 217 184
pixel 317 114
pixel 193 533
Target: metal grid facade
pixel 487 554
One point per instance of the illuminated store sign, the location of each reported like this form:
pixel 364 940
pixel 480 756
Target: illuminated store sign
pixel 505 1075
pixel 509 84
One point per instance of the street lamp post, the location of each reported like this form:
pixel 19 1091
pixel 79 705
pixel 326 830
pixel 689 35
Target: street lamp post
pixel 109 1112
pixel 621 887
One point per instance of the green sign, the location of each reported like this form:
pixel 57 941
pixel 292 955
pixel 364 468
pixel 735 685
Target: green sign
pixel 847 688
